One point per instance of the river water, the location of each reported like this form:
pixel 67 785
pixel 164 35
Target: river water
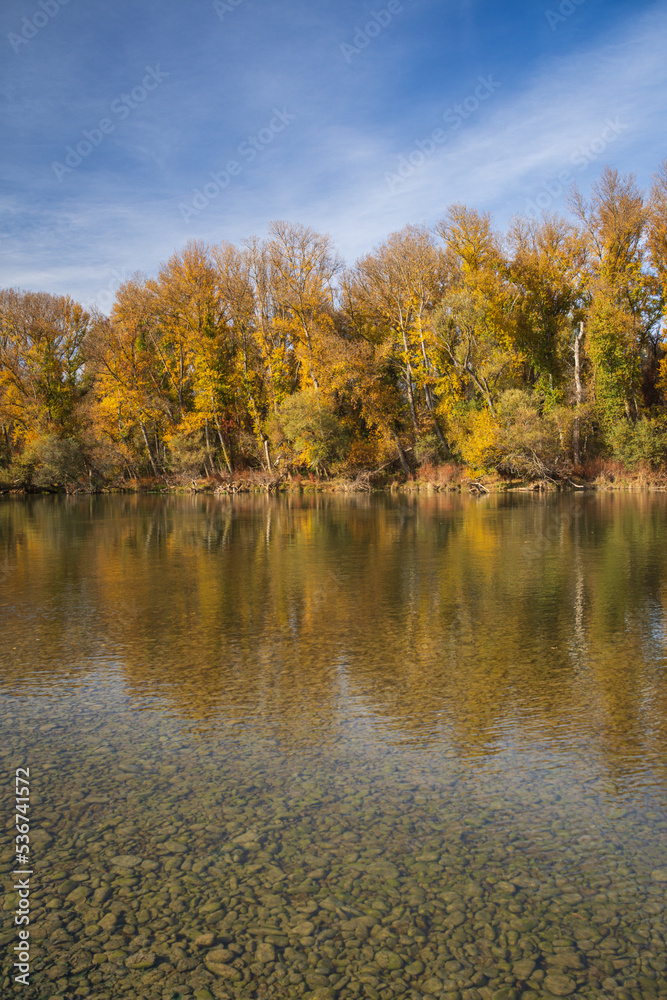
pixel 336 748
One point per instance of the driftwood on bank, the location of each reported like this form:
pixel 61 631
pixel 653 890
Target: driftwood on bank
pixel 367 479
pixel 269 485
pixel 476 487
pixel 364 481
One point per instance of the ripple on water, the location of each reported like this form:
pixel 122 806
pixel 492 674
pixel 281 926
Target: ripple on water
pixel 445 777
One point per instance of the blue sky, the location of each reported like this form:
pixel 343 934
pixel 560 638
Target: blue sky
pixel 127 128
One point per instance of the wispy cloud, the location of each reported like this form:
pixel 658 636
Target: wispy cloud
pixel 352 124
pixel 501 157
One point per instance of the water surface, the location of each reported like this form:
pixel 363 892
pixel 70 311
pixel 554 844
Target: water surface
pixel 369 747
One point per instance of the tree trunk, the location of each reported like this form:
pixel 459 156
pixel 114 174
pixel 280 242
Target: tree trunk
pixel 148 447
pixel 411 396
pixel 401 453
pixel 436 423
pixel 224 449
pixel 208 461
pixel 576 428
pixel 440 435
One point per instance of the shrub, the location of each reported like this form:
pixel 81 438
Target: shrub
pixel 428 449
pixel 443 474
pixel 476 436
pixel 187 453
pixel 516 440
pixel 531 443
pixel 50 461
pixel 317 434
pixel 363 455
pixel 640 443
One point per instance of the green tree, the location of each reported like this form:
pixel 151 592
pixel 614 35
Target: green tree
pixel 43 375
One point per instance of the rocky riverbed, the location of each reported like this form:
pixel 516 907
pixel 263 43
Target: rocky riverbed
pixel 231 868
pixel 384 750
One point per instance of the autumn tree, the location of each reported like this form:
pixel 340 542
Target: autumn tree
pixel 521 351
pixel 196 343
pixel 547 260
pixel 547 267
pixel 479 353
pixel 43 375
pixel 657 249
pixel 623 331
pixel 131 386
pixel 303 267
pixel 241 279
pixel 390 297
pixel 364 371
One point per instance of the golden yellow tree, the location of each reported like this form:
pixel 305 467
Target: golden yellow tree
pixel 625 336
pixel 303 268
pixel 42 364
pixel 395 289
pixel 130 384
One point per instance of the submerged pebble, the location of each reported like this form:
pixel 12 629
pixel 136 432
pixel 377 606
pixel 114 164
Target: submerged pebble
pixel 409 831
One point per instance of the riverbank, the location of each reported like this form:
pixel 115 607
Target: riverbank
pixel 447 478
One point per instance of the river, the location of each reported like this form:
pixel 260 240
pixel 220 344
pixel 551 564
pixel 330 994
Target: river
pixel 359 747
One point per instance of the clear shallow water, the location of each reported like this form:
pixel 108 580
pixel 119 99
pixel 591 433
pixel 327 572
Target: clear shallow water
pixel 366 747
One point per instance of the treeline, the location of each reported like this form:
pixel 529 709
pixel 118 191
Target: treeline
pixel 532 352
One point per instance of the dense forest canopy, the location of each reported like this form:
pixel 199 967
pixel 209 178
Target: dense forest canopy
pixel 531 352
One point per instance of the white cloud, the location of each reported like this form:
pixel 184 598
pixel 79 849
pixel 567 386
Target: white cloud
pixel 502 156
pixel 328 169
